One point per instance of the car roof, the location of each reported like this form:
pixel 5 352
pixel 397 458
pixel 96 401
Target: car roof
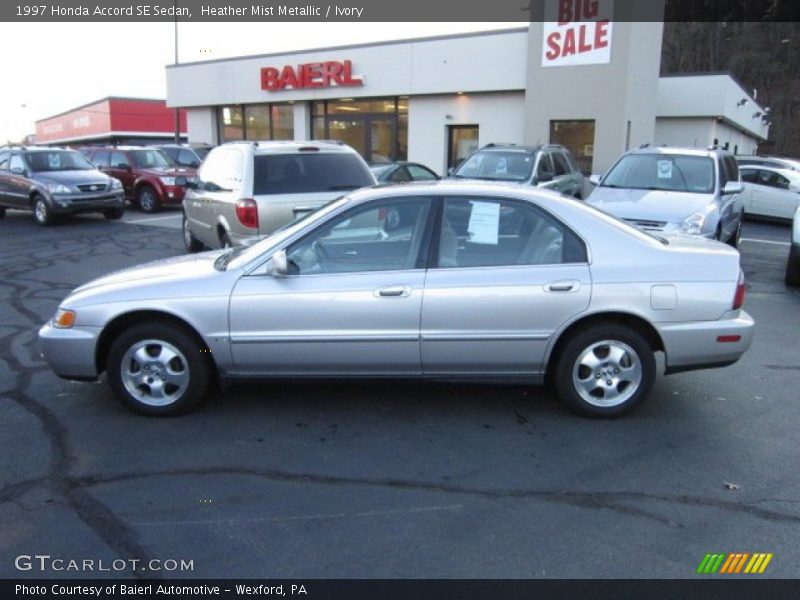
pixel 682 150
pixel 291 146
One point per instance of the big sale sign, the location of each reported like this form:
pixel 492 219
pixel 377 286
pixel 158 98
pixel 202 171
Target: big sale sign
pixel 581 35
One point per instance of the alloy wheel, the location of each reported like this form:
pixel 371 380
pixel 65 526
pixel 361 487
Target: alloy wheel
pixel 155 372
pixel 607 373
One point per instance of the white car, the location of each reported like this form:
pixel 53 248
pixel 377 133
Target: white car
pixel 770 191
pixel 793 266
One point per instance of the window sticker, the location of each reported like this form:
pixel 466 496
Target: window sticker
pixel 54 160
pixel 484 223
pixel 665 169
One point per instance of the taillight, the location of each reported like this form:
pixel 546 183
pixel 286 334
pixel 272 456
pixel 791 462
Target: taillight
pixel 738 299
pixel 247 212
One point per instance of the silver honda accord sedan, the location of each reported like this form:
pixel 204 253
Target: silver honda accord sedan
pixel 474 280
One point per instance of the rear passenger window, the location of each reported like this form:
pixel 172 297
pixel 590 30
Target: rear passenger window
pixel 485 232
pixel 309 172
pixel 560 164
pixel 544 170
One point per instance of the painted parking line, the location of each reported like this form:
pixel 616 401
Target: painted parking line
pixel 758 241
pixel 154 218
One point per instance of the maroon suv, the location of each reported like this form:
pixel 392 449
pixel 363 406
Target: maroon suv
pixel 147 174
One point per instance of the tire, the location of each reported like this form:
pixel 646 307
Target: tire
pixel 793 266
pixel 619 355
pixel 113 214
pixel 718 233
pixel 174 379
pixel 225 241
pixel 189 241
pixel 2 212
pixel 147 199
pixel 737 235
pixel 41 211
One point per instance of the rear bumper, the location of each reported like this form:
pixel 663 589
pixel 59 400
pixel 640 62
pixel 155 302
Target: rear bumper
pixel 70 353
pixel 697 345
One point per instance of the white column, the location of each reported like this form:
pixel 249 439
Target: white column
pixel 302 121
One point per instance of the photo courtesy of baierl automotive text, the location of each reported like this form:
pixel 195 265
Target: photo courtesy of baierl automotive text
pixel 400 300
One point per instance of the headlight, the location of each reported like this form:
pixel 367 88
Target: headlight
pixel 57 188
pixel 64 318
pixel 167 180
pixel 116 184
pixel 693 225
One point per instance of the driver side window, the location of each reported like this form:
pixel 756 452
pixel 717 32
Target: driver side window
pixel 382 236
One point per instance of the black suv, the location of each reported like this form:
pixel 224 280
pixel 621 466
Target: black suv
pixel 54 181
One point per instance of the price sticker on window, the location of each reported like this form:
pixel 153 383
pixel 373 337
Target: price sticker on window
pixel 665 169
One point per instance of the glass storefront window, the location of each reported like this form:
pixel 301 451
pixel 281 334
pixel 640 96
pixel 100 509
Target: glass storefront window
pixel 257 122
pixel 463 141
pixel 348 106
pixel 282 122
pixel 578 137
pixel 402 137
pixel 231 123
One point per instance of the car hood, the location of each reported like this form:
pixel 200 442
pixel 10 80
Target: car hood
pixel 73 177
pixel 166 278
pixel 169 171
pixel 656 205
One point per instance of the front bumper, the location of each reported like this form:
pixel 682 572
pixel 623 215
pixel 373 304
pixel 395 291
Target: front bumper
pixel 70 352
pixel 64 204
pixel 692 346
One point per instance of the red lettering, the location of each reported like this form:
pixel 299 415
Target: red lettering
pixel 601 34
pixel 269 79
pixel 347 78
pixel 311 74
pixel 288 79
pixel 552 41
pixel 582 45
pixel 331 73
pixel 569 43
pixel 564 11
pixel 590 9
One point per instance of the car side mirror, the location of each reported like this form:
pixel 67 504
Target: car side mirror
pixel 19 171
pixel 595 179
pixel 544 178
pixel 733 187
pixel 123 166
pixel 278 265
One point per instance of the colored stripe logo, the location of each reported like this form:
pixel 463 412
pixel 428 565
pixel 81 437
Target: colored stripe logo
pixel 734 562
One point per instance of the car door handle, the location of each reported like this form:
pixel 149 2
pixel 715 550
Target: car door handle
pixel 563 286
pixel 393 291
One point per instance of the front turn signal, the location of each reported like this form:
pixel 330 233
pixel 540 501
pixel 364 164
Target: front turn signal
pixel 64 319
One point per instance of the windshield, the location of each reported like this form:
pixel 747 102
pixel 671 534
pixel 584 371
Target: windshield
pixel 148 159
pixel 668 172
pixel 496 166
pixel 240 256
pixel 58 160
pixel 307 172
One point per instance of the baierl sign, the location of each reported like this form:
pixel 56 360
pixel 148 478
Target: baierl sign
pixel 577 32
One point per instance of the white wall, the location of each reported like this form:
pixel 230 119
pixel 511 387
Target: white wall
pixel 201 125
pixel 701 132
pixel 499 117
pixel 469 63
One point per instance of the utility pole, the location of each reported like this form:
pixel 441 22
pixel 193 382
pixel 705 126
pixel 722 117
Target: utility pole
pixel 177 110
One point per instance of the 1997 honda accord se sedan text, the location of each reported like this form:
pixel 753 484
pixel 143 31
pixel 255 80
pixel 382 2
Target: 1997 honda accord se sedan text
pixel 482 280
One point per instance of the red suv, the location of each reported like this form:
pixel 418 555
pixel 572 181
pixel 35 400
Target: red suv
pixel 147 174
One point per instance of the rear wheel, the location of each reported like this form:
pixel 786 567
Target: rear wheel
pixel 793 266
pixel 605 371
pixel 41 211
pixel 189 241
pixel 113 214
pixel 147 199
pixel 225 241
pixel 158 370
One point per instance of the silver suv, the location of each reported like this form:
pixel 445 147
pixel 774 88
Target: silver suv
pixel 246 190
pixel 548 166
pixel 666 189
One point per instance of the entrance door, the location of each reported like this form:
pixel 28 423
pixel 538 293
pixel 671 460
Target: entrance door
pixel 372 137
pixel 462 140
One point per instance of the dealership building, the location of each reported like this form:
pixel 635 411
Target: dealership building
pixel 593 86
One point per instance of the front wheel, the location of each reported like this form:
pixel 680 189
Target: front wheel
pixel 147 199
pixel 189 241
pixel 41 211
pixel 114 214
pixel 793 266
pixel 158 370
pixel 605 371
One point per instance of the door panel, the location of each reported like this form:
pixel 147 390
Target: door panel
pixel 327 324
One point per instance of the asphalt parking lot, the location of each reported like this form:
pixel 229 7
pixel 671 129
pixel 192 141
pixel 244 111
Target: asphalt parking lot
pixel 390 479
